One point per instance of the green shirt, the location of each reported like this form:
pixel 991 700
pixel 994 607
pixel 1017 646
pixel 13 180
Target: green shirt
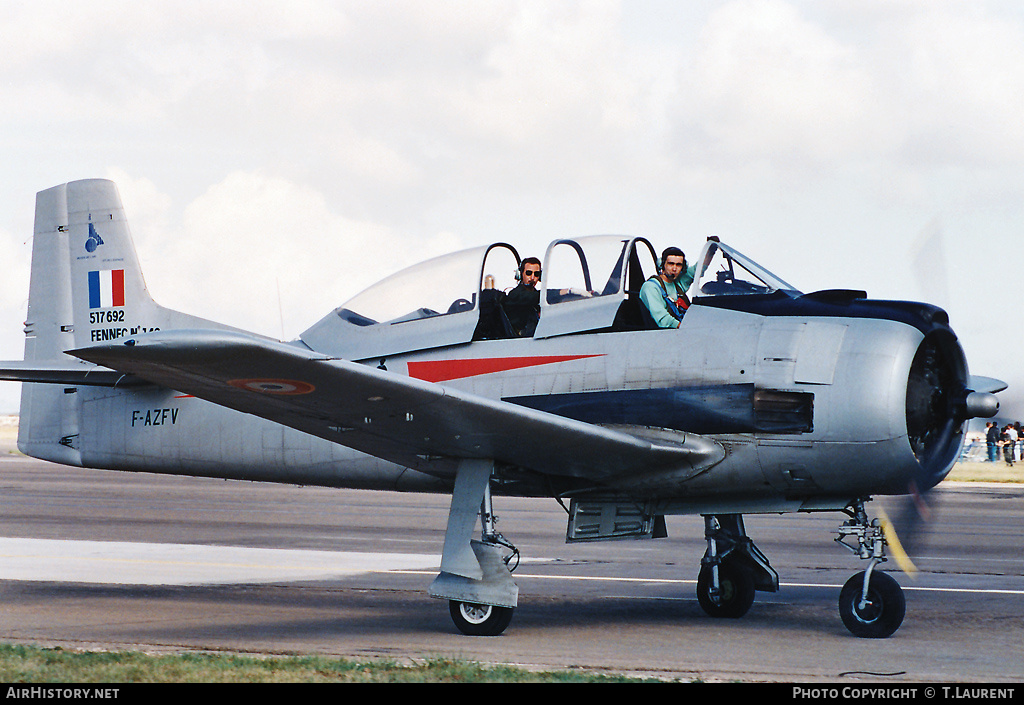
pixel 652 294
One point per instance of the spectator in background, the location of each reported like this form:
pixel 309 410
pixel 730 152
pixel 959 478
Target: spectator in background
pixel 1009 439
pixel 992 440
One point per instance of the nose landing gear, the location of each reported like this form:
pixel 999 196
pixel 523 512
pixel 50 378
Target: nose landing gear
pixel 871 604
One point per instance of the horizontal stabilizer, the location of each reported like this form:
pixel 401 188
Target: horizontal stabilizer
pixel 986 384
pixel 68 373
pixel 414 423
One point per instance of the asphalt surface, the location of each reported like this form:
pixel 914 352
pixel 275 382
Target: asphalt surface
pixel 100 559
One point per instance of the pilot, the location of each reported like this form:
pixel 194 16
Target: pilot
pixel 664 294
pixel 522 303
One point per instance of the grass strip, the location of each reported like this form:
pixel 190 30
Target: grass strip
pixel 37 665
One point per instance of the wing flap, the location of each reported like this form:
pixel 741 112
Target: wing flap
pixel 408 421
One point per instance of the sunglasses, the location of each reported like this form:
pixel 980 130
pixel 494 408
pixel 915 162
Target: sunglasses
pixel 531 273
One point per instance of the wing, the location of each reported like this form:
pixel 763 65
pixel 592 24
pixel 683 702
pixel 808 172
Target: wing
pixel 404 420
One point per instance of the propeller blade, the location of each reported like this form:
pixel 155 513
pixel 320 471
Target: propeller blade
pixel 896 548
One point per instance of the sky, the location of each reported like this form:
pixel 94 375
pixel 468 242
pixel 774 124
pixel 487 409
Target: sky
pixel 275 158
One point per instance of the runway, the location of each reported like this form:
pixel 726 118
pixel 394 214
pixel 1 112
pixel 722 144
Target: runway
pixel 114 560
pixel 119 563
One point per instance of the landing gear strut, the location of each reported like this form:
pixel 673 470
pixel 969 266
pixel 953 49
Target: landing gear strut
pixel 475 576
pixel 871 604
pixel 732 568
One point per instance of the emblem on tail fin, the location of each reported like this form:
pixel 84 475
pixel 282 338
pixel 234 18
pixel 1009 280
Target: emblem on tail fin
pixel 94 240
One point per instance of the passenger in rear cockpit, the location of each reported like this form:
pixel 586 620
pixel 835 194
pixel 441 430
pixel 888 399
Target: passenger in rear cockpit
pixel 522 303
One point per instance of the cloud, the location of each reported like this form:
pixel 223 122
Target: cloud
pixel 263 253
pixel 13 291
pixel 915 86
pixel 962 82
pixel 766 83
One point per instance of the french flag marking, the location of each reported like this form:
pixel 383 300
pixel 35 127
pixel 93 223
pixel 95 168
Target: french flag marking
pixel 106 288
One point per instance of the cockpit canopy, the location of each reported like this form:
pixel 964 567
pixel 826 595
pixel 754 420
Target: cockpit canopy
pixel 588 284
pixel 445 285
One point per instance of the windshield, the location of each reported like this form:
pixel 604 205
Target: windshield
pixel 726 272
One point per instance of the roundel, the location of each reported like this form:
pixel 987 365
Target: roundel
pixel 273 386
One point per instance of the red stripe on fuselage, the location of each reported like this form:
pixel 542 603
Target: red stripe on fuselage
pixel 444 370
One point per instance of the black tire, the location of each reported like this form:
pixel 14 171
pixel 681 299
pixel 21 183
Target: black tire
pixel 882 615
pixel 736 593
pixel 474 619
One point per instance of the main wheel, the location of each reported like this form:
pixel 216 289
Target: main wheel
pixel 735 594
pixel 881 615
pixel 479 620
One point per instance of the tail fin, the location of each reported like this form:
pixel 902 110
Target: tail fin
pixel 86 287
pixel 102 287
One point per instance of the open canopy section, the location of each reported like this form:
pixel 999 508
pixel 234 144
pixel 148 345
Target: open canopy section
pixel 593 283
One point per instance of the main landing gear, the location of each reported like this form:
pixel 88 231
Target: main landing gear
pixel 475 576
pixel 871 604
pixel 732 568
pixel 496 553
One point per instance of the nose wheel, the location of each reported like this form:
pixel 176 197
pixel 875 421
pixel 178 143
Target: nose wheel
pixel 872 606
pixel 871 603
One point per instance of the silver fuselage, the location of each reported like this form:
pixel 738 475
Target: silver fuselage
pixel 857 444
